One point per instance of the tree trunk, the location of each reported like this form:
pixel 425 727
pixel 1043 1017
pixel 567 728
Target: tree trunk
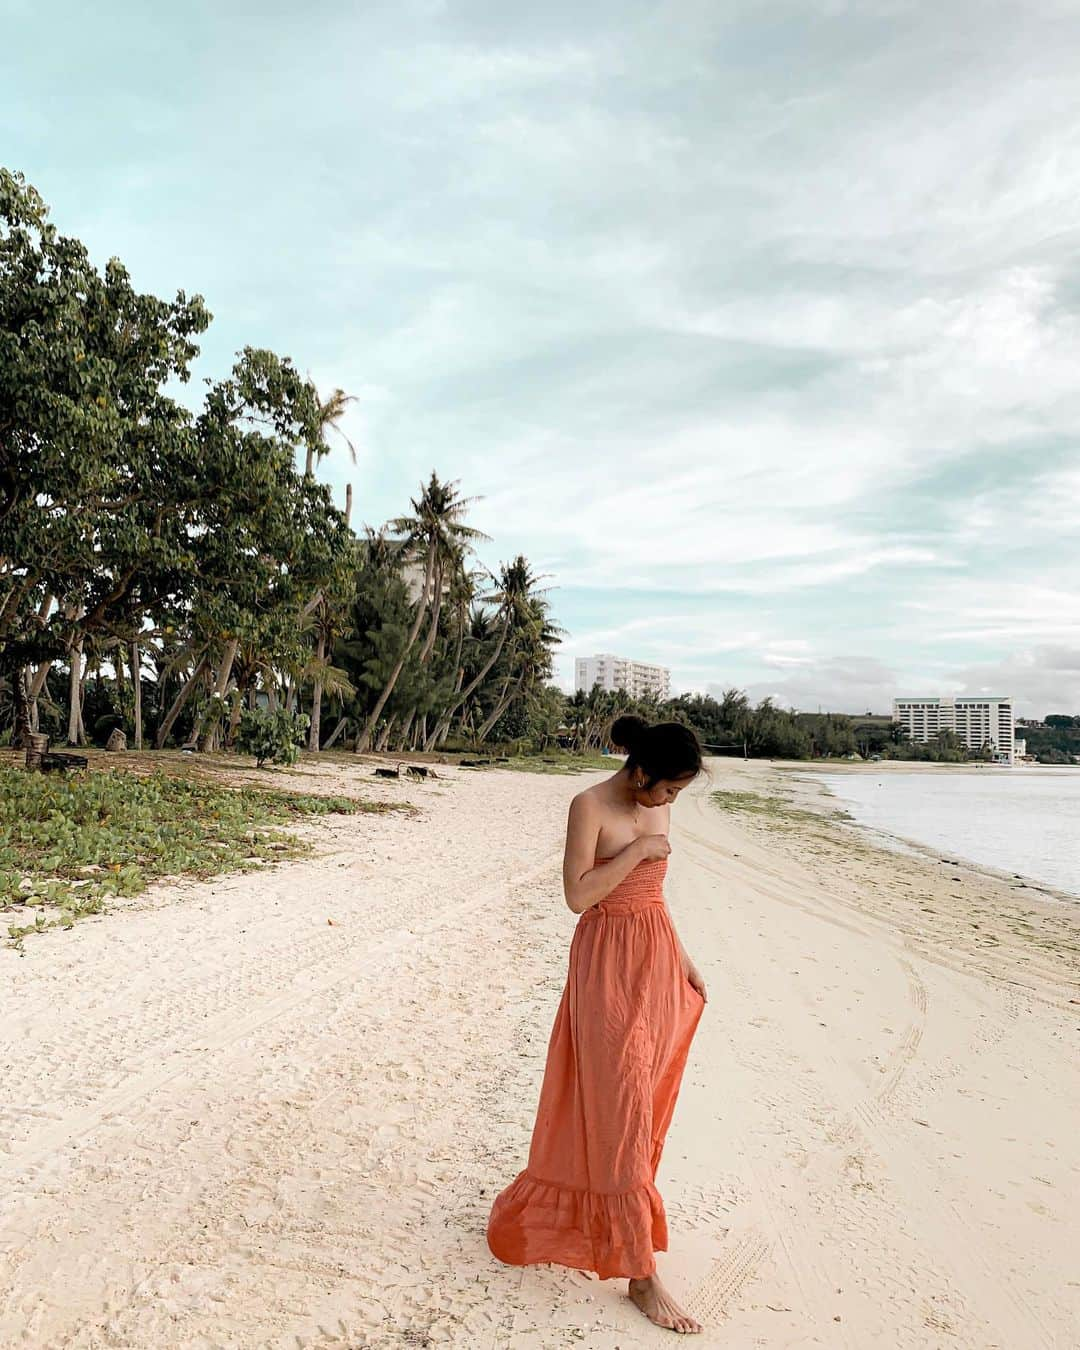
pixel 458 700
pixel 316 700
pixel 385 736
pixel 186 690
pixel 438 733
pixel 336 732
pixel 501 707
pixel 22 730
pixel 84 739
pixel 311 604
pixel 36 745
pixel 37 683
pixel 118 669
pixel 403 734
pixel 429 641
pixel 235 713
pixel 75 687
pixel 136 676
pixel 365 735
pixel 442 722
pixel 463 717
pixel 211 720
pixel 441 729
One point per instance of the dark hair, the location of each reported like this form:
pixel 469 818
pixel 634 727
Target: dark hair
pixel 662 749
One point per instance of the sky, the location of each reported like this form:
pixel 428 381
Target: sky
pixel 755 327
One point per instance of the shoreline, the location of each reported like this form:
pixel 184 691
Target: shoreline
pixel 875 834
pixel 1001 922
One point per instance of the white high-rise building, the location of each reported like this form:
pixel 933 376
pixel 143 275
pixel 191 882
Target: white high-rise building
pixel 977 722
pixel 638 678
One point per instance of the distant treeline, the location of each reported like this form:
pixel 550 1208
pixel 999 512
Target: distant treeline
pixel 765 730
pixel 1056 743
pixel 733 725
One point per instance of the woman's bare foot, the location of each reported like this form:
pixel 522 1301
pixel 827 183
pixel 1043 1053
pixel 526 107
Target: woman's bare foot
pixel 658 1306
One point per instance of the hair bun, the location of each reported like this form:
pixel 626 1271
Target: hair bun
pixel 627 731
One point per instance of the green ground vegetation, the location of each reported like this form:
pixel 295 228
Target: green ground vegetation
pixel 556 760
pixel 67 845
pixel 773 809
pixel 1057 741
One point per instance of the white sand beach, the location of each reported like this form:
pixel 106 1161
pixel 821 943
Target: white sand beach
pixel 273 1109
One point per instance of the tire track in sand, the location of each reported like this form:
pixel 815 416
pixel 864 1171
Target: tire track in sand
pixel 860 1120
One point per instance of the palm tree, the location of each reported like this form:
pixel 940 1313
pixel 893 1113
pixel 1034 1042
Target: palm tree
pixel 329 623
pixel 462 593
pixel 513 593
pixel 331 411
pixel 534 639
pixel 432 534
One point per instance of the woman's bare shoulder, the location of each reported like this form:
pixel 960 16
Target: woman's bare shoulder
pixel 587 801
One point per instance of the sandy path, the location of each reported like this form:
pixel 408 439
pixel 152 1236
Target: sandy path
pixel 228 1122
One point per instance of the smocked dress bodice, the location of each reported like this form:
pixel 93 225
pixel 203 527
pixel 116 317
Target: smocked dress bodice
pixel 642 886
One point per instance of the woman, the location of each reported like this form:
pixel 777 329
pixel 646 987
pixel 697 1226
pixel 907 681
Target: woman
pixel 615 1059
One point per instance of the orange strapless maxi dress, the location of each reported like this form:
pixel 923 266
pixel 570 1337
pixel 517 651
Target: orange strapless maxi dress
pixel 615 1062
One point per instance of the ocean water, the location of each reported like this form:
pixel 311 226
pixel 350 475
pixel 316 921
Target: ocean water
pixel 1024 820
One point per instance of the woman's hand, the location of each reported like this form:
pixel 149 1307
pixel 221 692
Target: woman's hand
pixel 653 846
pixel 694 976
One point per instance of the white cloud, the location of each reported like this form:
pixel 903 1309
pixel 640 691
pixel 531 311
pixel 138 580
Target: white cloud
pixel 1043 679
pixel 768 313
pixel 1006 613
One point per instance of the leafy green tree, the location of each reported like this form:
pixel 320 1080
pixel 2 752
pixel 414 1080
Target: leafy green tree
pixel 1056 742
pixel 181 548
pixel 263 537
pixel 85 428
pixel 117 503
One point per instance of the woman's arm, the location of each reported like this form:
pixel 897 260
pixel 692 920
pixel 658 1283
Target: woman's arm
pixel 584 884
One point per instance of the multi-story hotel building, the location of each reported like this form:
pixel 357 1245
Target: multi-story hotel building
pixel 977 722
pixel 638 678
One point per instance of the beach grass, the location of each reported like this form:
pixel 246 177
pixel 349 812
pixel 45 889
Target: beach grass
pixel 772 809
pixel 69 844
pixel 561 761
